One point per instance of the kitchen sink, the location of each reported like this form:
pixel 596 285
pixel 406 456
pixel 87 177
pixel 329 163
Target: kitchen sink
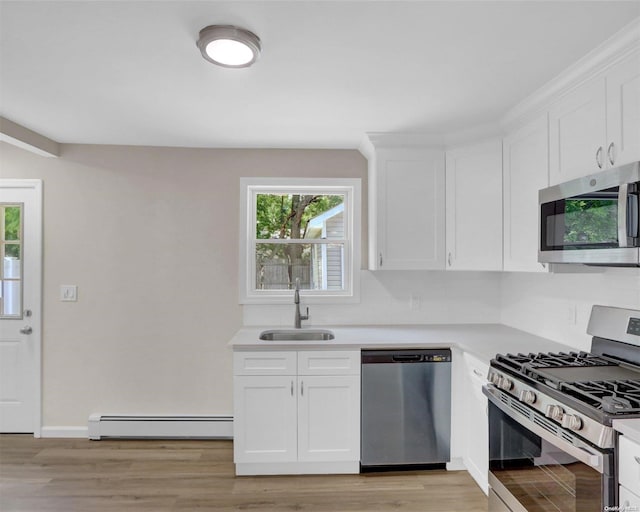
pixel 297 335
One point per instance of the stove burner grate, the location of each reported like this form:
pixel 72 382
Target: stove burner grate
pixel 527 362
pixel 614 397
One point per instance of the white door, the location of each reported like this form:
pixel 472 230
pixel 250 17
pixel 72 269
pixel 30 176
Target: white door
pixel 20 305
pixel 474 206
pixel 264 418
pixel 623 112
pixel 410 181
pixel 329 418
pixel 525 165
pixel 577 133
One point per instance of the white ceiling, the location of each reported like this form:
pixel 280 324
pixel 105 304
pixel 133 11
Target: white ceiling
pixel 129 72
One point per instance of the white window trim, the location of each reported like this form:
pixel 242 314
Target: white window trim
pixel 350 188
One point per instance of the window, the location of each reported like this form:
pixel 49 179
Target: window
pixel 299 230
pixel 11 254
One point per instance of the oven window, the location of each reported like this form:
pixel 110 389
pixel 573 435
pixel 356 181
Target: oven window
pixel 538 474
pixel 588 221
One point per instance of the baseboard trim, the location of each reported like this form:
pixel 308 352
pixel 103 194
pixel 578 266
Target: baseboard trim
pixel 65 432
pixel 297 468
pixel 159 427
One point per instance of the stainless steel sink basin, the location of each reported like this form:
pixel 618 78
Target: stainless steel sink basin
pixel 297 335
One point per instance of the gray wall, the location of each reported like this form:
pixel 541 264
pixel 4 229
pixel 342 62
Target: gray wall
pixel 150 236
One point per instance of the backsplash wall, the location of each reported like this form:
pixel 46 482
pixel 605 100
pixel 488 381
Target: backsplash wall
pixel 400 297
pixel 558 305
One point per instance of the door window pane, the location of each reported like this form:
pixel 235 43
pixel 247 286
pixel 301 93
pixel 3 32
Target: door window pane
pixel 11 254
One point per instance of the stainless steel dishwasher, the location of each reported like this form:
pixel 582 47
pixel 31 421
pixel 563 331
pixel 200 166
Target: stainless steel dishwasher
pixel 406 408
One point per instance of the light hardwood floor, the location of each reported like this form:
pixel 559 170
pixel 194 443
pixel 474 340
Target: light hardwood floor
pixel 74 475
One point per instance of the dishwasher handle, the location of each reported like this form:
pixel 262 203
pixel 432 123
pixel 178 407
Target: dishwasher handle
pixel 407 358
pixel 403 356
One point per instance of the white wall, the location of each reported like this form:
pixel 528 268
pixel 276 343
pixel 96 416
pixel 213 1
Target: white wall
pixel 558 305
pixel 401 297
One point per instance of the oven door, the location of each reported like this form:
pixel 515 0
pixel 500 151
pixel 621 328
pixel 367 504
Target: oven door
pixel 533 470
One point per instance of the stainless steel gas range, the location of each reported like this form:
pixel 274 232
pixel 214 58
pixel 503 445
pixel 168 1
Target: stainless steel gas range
pixel 551 443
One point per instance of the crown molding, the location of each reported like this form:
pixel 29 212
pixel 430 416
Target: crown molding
pixel 596 62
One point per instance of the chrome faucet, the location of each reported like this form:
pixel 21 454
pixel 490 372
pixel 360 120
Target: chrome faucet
pixel 296 300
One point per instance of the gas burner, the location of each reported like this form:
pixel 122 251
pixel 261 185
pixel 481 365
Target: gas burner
pixel 613 397
pixel 614 404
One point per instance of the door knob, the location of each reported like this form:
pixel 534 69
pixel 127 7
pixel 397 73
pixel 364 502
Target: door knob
pixel 26 329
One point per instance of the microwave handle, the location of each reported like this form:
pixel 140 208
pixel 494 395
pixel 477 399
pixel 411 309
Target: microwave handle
pixel 623 192
pixel 633 215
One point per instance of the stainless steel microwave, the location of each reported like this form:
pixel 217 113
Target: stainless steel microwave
pixel 593 220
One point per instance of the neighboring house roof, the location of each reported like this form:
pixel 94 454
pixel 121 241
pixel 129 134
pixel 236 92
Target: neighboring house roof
pixel 317 223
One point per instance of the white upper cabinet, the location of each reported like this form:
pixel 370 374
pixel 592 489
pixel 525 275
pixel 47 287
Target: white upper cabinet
pixel 407 208
pixel 597 125
pixel 577 133
pixel 623 111
pixel 474 207
pixel 525 161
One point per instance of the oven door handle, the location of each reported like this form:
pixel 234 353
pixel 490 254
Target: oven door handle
pixel 579 450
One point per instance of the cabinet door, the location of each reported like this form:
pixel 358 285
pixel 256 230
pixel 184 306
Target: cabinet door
pixel 474 207
pixel 329 418
pixel 264 421
pixel 577 133
pixel 623 112
pixel 629 463
pixel 409 228
pixel 477 449
pixel 629 500
pixel 525 161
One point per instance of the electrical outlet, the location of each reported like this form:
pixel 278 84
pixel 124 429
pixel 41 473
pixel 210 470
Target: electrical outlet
pixel 68 293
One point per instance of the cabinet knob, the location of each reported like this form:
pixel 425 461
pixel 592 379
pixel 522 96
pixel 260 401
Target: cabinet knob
pixel 610 154
pixel 599 157
pixel 449 259
pixel 380 259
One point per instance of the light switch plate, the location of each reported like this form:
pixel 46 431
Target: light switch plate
pixel 68 292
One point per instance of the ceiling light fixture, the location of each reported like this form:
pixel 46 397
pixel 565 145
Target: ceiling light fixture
pixel 229 46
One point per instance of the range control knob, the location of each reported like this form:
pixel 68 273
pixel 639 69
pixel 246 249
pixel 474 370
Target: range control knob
pixel 571 421
pixel 528 397
pixel 494 378
pixel 555 412
pixel 506 384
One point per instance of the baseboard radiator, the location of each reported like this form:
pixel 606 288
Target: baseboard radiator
pixel 103 426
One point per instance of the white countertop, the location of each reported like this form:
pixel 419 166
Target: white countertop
pixel 629 428
pixel 483 341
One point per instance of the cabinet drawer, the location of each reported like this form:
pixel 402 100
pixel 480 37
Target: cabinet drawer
pixel 329 362
pixel 629 463
pixel 264 363
pixel 629 500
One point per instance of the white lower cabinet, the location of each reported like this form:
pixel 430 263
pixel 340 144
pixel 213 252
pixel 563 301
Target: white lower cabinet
pixel 305 420
pixel 629 500
pixel 328 425
pixel 476 457
pixel 265 408
pixel 629 474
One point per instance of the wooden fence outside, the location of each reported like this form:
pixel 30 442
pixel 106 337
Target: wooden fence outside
pixel 274 274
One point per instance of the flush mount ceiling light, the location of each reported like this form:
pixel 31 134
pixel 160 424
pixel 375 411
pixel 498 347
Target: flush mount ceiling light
pixel 229 46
